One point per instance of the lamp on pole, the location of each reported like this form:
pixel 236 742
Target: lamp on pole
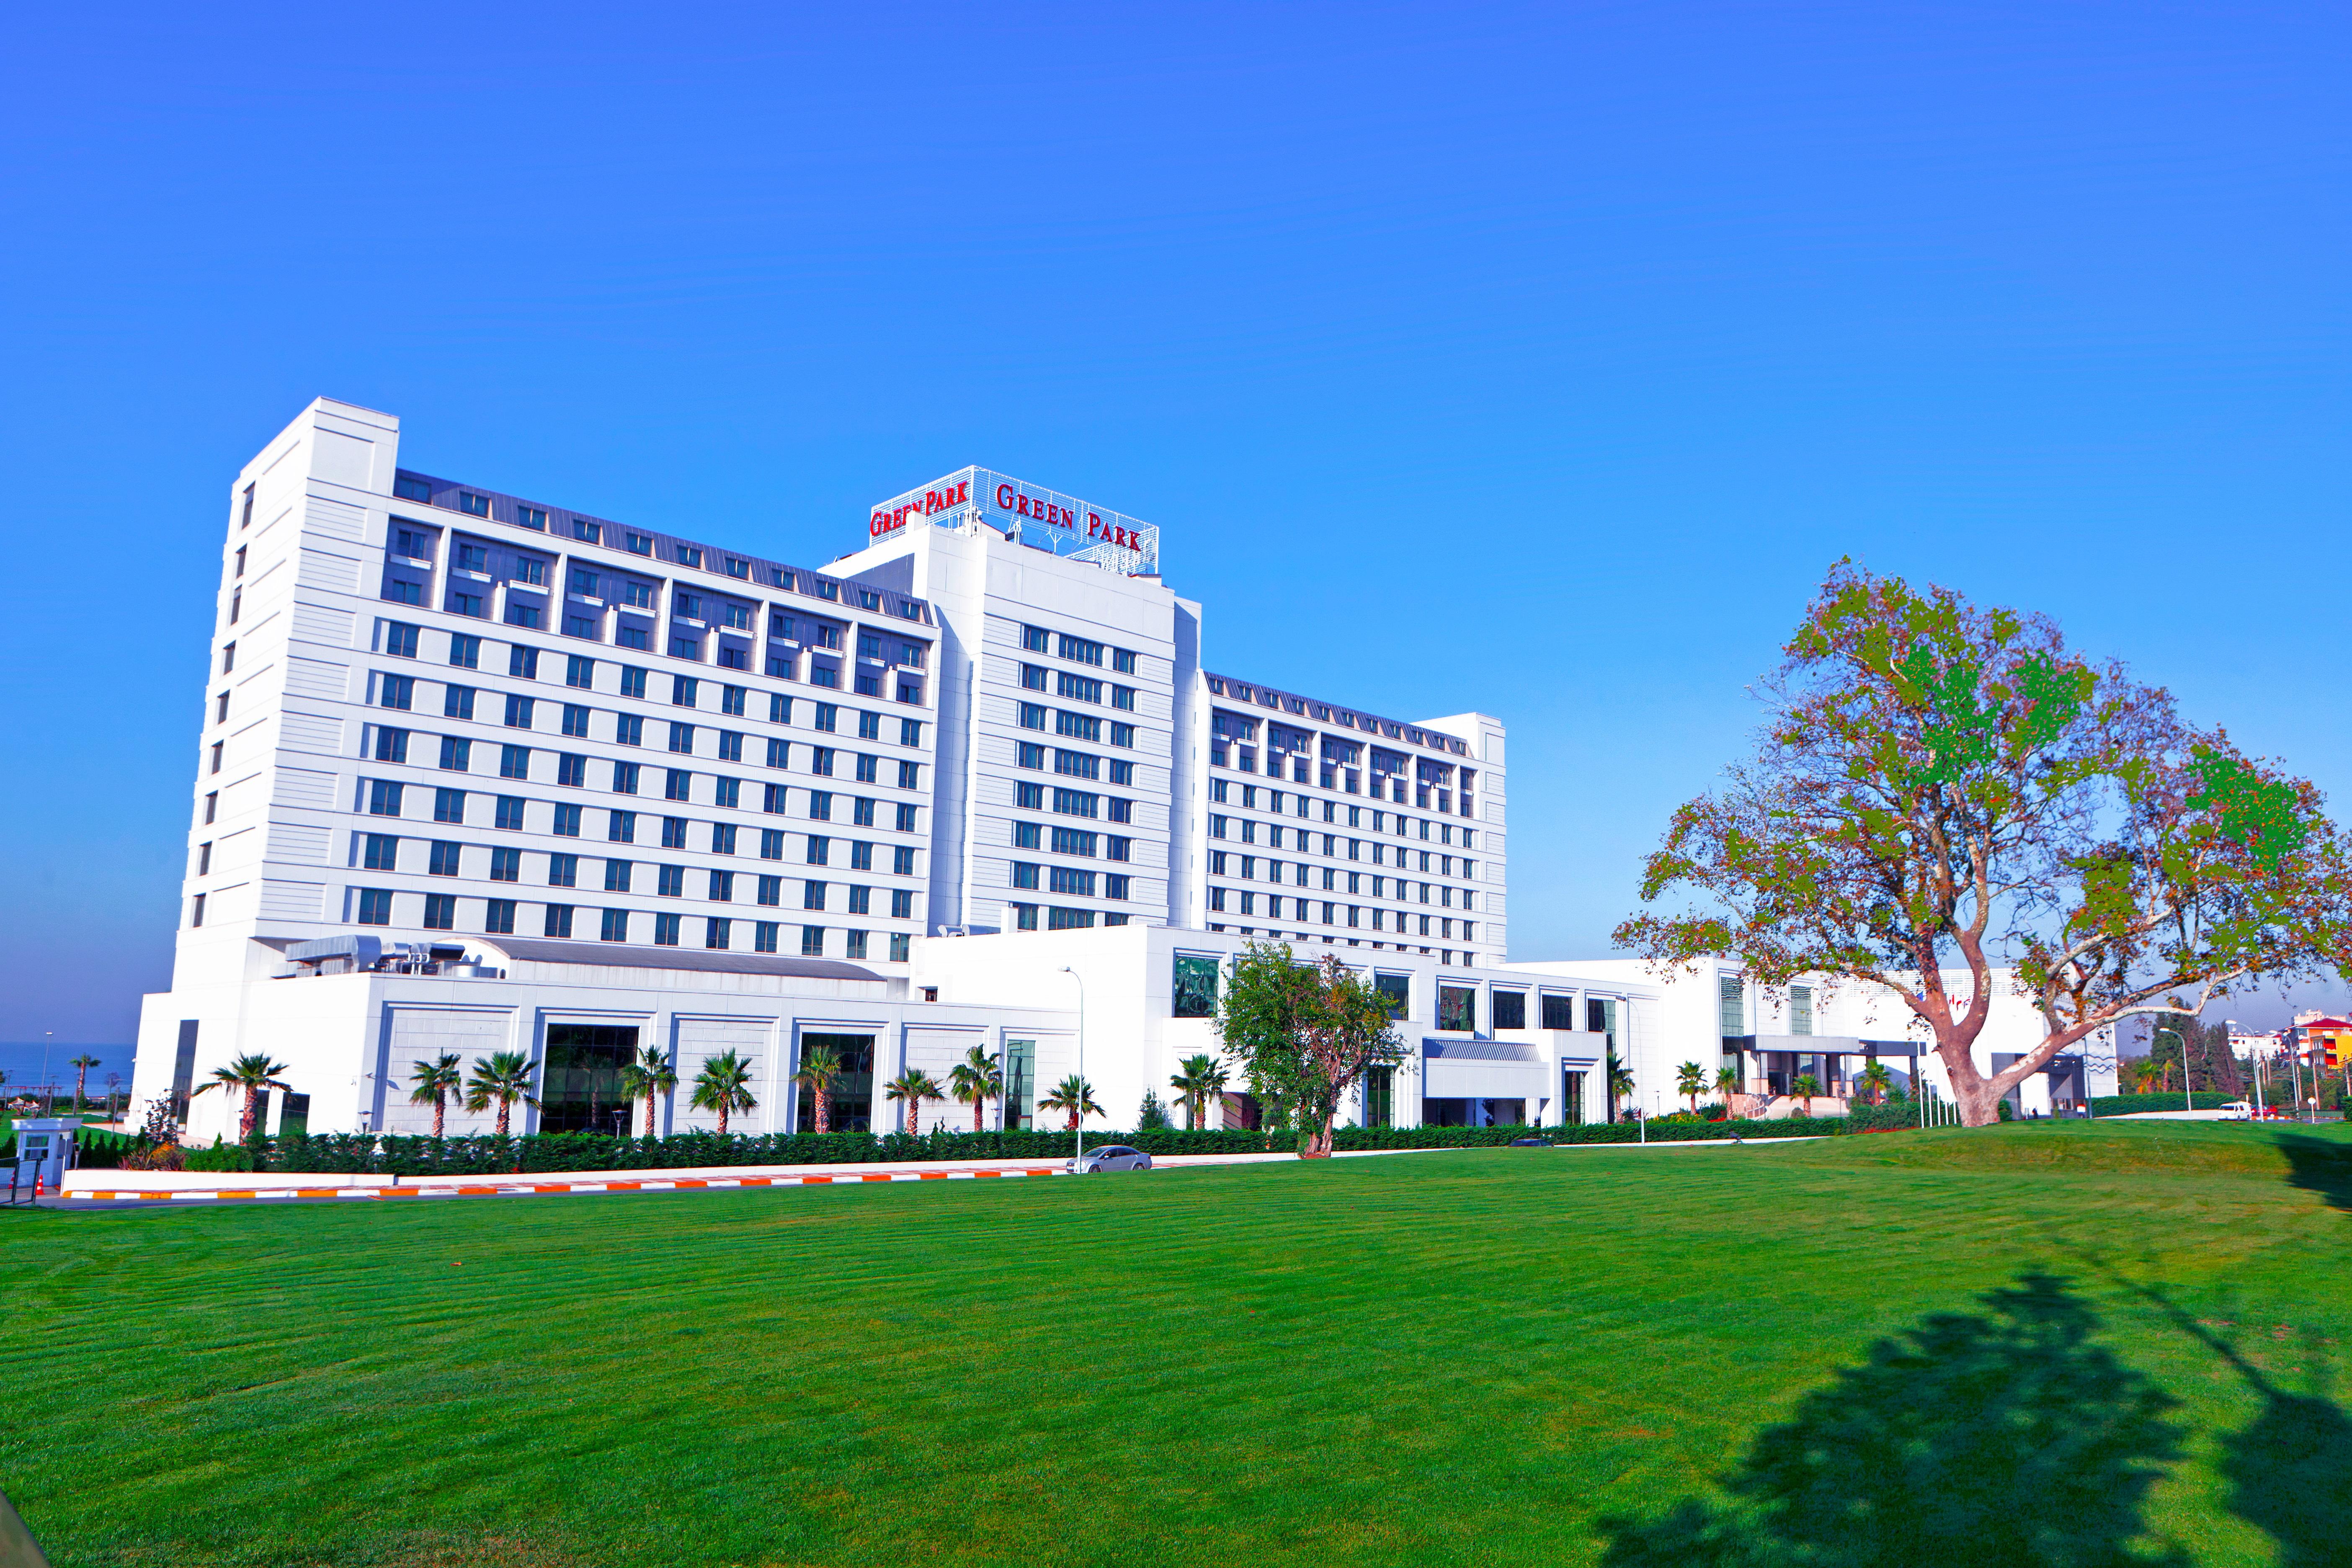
pixel 2187 1084
pixel 1078 1114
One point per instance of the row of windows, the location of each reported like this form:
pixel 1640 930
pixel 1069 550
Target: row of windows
pixel 566 922
pixel 1079 841
pixel 1244 868
pixel 1426 795
pixel 388 799
pixel 1074 765
pixel 1074 688
pixel 1075 880
pixel 782 663
pixel 1083 650
pixel 414 542
pixel 456 755
pixel 579 672
pixel 1025 918
pixel 1077 726
pixel 1280 803
pixel 1027 796
pixel 1243 902
pixel 381 852
pixel 1245 830
pixel 474 504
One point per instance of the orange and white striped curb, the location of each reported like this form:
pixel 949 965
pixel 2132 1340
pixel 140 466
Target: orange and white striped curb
pixel 524 1188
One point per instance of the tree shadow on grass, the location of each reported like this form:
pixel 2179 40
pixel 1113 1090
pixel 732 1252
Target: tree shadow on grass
pixel 1988 1439
pixel 2319 1165
pixel 2286 1468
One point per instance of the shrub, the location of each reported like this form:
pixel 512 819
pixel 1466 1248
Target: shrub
pixel 221 1157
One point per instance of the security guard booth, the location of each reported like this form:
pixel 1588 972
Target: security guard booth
pixel 46 1149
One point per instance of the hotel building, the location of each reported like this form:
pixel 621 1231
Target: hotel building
pixel 476 771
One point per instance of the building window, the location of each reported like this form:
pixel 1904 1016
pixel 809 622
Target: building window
pixel 376 906
pixel 1080 649
pixel 509 816
pixel 558 920
pixel 901 946
pixel 383 798
pixel 440 911
pixel 1024 875
pixel 1801 1009
pixel 1509 1009
pixel 1025 916
pixel 382 853
pixel 1035 639
pixel 1115 885
pixel 498 918
pixel 763 936
pixel 196 911
pixel 1732 1004
pixel 1032 677
pixel 1457 1008
pixel 1058 919
pixel 717 931
pixel 1122 661
pixel 811 942
pixel 449 806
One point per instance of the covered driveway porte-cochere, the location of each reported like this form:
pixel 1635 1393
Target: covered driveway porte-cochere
pixel 1769 1066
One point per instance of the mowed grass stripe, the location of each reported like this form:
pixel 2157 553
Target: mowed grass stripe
pixel 1464 1357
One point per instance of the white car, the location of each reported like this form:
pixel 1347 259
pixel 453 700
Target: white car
pixel 1110 1157
pixel 2238 1110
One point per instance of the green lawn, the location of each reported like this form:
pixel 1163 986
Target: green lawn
pixel 2047 1343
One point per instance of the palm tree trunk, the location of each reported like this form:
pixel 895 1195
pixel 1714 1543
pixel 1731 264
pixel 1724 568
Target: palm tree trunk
pixel 244 1122
pixel 723 1119
pixel 440 1112
pixel 979 1111
pixel 504 1105
pixel 649 1114
pixel 823 1104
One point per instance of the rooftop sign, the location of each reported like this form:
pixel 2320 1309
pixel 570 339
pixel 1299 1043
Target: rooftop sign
pixel 1042 519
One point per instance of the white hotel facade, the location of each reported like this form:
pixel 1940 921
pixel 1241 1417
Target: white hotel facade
pixel 478 773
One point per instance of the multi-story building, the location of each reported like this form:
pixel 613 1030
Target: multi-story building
pixel 454 735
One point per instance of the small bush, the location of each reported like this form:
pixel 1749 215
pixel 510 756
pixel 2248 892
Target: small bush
pixel 221 1157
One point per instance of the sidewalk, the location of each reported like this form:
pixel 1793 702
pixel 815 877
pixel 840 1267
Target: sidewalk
pixel 200 1187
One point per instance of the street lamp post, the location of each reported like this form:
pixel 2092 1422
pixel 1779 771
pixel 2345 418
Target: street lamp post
pixel 2187 1084
pixel 1078 1114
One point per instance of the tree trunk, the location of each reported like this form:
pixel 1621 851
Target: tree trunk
pixel 440 1114
pixel 504 1106
pixel 1319 1139
pixel 979 1112
pixel 244 1122
pixel 723 1119
pixel 914 1119
pixel 821 1101
pixel 649 1114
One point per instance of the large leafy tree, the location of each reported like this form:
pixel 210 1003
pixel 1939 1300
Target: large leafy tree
pixel 1941 791
pixel 1304 1034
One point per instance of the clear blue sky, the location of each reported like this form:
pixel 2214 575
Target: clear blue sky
pixel 1533 360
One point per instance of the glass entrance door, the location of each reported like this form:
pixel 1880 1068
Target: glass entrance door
pixel 850 1096
pixel 580 1090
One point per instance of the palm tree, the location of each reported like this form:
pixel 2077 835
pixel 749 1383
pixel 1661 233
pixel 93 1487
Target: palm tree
pixel 1805 1086
pixel 648 1079
pixel 1876 1081
pixel 721 1086
pixel 81 1066
pixel 820 1064
pixel 1620 1083
pixel 914 1086
pixel 1726 1084
pixel 252 1074
pixel 502 1077
pixel 976 1080
pixel 1074 1095
pixel 1197 1077
pixel 432 1083
pixel 1688 1080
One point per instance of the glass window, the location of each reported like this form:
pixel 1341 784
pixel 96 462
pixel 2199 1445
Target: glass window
pixel 1193 988
pixel 1397 991
pixel 1457 1008
pixel 1511 1009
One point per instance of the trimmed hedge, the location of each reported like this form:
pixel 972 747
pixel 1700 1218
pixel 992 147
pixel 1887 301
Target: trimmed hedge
pixel 363 1153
